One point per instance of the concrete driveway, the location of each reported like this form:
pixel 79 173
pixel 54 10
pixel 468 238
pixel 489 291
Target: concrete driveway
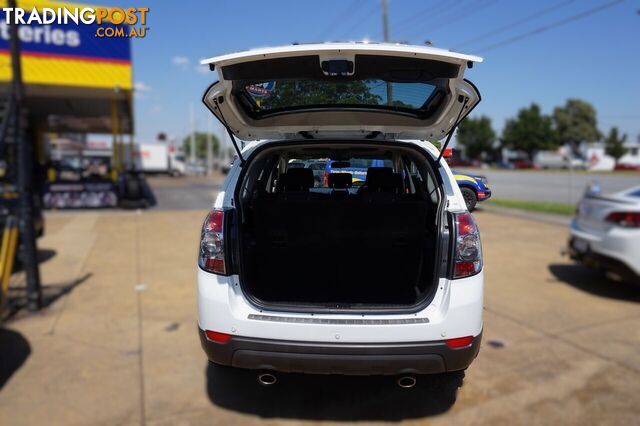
pixel 117 344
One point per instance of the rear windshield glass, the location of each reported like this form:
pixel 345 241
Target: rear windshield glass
pixel 281 95
pixel 357 168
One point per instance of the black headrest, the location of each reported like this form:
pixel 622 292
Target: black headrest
pixel 378 174
pixel 297 180
pixel 382 179
pixel 340 180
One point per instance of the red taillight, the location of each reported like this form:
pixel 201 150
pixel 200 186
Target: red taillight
pixel 211 257
pixel 468 251
pixel 459 342
pixel 217 336
pixel 464 269
pixel 215 220
pixel 625 219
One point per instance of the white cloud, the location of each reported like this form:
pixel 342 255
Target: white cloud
pixel 180 61
pixel 140 89
pixel 140 86
pixel 202 69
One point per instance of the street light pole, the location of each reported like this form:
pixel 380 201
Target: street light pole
pixel 29 251
pixel 385 30
pixel 192 154
pixel 210 146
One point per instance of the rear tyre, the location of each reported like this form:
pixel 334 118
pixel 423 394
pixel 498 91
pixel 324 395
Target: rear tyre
pixel 470 198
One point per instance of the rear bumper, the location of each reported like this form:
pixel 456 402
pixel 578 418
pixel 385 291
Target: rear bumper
pixel 356 359
pixel 604 262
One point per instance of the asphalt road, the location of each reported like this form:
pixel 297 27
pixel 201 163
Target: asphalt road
pixel 560 186
pixel 184 193
pixel 117 342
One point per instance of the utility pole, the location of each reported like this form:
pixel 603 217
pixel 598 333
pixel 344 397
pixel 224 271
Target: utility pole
pixel 210 146
pixel 25 176
pixel 385 30
pixel 192 156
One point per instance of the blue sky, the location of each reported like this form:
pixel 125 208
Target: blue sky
pixel 596 58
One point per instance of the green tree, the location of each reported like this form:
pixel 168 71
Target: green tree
pixel 576 122
pixel 530 131
pixel 201 145
pixel 477 137
pixel 614 145
pixel 320 92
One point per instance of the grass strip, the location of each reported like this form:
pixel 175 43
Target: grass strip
pixel 535 206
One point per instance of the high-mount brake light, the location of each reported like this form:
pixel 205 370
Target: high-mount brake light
pixel 468 250
pixel 211 257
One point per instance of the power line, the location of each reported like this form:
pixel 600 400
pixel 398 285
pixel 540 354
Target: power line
pixel 340 18
pixel 516 23
pixel 430 10
pixel 548 27
pixel 446 20
pixel 360 22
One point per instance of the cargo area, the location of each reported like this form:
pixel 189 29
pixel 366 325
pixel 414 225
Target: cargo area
pixel 359 233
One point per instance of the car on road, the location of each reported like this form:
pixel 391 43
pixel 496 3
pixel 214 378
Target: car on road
pixel 357 168
pixel 474 188
pixel 605 233
pixel 384 277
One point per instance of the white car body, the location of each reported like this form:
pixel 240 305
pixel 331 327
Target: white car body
pixel 456 307
pixel 597 240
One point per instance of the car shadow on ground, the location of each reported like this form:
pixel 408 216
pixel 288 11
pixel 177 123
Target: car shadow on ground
pixel 17 295
pixel 595 282
pixel 14 350
pixel 338 398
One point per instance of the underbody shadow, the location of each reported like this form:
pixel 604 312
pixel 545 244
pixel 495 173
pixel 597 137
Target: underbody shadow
pixel 331 397
pixel 595 282
pixel 14 350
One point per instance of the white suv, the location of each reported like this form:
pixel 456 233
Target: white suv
pixel 340 242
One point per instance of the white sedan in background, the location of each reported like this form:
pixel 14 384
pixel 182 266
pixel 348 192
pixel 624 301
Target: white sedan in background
pixel 605 233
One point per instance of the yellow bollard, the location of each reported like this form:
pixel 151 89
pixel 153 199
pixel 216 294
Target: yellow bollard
pixel 9 245
pixel 4 248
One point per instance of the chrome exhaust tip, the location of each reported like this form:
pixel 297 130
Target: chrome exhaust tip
pixel 267 379
pixel 406 382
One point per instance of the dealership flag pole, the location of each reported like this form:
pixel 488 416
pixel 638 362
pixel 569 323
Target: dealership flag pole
pixel 25 177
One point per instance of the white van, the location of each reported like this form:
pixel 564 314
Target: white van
pixel 557 160
pixel 382 274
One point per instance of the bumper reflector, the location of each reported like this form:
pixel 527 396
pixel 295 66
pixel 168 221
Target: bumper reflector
pixel 459 342
pixel 217 337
